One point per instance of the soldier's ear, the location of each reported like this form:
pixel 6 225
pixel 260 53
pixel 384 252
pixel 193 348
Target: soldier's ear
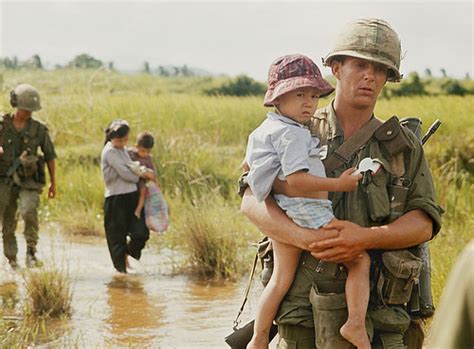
pixel 336 68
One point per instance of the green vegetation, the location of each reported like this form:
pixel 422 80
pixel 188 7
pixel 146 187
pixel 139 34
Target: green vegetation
pixel 200 144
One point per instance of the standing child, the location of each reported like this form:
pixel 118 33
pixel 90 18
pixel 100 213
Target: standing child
pixel 282 147
pixel 121 198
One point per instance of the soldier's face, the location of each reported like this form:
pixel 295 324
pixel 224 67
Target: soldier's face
pixel 299 104
pixel 120 142
pixel 359 81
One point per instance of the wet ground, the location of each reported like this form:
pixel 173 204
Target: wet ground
pixel 149 309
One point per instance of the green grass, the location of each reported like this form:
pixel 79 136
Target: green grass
pixel 200 144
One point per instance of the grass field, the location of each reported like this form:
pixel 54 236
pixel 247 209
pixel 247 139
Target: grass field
pixel 200 144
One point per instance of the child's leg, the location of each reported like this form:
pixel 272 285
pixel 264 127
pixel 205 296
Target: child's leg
pixel 357 296
pixel 286 260
pixel 141 201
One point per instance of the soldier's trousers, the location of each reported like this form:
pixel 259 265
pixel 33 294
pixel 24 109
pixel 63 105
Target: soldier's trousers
pixel 120 222
pixel 16 201
pixel 314 310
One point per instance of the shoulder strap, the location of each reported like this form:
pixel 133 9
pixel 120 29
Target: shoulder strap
pixel 343 154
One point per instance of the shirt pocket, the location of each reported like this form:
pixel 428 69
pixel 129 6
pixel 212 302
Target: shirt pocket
pixel 377 195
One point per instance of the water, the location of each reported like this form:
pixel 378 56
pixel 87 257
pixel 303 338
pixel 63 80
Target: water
pixel 149 309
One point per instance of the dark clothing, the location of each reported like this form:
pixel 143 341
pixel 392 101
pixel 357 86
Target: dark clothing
pixel 120 222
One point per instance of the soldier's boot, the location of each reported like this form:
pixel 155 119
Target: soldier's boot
pixel 13 263
pixel 31 260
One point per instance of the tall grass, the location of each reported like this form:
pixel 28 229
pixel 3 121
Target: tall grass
pixel 200 144
pixel 49 292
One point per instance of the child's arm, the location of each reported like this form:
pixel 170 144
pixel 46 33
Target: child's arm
pixel 304 181
pixel 141 201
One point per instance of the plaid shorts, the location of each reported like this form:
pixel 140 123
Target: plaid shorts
pixel 306 212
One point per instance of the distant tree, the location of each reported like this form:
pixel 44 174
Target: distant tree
pixel 467 76
pixel 443 72
pixel 412 85
pixel 242 85
pixel 85 61
pixel 176 71
pixel 453 87
pixel 428 72
pixel 146 68
pixel 185 71
pixel 9 63
pixel 162 71
pixel 36 62
pixel 111 65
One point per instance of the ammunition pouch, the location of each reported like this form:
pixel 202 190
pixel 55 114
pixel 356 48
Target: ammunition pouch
pixel 30 173
pixel 391 138
pixel 400 271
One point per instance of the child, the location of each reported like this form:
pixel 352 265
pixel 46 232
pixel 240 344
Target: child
pixel 121 198
pixel 283 147
pixel 141 153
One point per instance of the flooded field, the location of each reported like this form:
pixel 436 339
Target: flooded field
pixel 148 309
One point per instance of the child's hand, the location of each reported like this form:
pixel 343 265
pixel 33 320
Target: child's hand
pixel 347 181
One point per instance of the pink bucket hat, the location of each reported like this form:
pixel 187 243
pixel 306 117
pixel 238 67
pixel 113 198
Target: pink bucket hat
pixel 291 72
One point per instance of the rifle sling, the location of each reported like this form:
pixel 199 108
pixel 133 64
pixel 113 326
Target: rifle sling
pixel 346 150
pixel 247 290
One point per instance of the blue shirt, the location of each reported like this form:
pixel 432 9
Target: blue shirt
pixel 279 147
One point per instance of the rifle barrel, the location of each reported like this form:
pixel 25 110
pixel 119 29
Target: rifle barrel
pixel 433 128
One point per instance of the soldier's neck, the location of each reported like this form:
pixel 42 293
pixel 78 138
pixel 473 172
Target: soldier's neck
pixel 350 118
pixel 20 119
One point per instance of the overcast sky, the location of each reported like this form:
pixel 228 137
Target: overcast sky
pixel 229 37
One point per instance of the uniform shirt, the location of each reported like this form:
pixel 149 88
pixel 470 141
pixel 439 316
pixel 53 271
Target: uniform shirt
pixel 33 136
pixel 118 177
pixel 368 205
pixel 279 147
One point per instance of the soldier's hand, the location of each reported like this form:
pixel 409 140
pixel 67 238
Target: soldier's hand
pixel 52 191
pixel 347 246
pixel 348 181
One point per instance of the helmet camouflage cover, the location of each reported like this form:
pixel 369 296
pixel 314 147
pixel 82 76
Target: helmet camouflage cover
pixel 25 97
pixel 372 39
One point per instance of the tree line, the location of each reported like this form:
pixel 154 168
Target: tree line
pixel 242 85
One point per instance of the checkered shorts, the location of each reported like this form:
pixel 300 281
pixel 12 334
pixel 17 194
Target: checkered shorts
pixel 306 212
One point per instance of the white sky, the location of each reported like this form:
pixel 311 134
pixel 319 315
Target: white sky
pixel 229 37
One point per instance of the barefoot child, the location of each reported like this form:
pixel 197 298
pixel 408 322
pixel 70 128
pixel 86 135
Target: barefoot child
pixel 282 147
pixel 121 198
pixel 141 153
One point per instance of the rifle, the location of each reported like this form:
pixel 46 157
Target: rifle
pixel 421 302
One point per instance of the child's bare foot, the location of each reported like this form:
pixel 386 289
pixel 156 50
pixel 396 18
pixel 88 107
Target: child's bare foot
pixel 356 334
pixel 137 213
pixel 258 343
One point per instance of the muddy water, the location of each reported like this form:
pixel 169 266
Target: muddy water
pixel 148 309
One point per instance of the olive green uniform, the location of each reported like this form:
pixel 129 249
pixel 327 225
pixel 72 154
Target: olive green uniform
pixel 369 205
pixel 21 196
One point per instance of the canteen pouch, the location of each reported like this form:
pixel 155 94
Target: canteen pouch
pixel 240 337
pixel 399 273
pixel 329 314
pixel 265 255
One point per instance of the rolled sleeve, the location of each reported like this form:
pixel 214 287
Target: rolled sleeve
pixel 47 147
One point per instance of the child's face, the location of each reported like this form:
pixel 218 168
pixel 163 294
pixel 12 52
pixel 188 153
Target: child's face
pixel 143 152
pixel 119 142
pixel 299 104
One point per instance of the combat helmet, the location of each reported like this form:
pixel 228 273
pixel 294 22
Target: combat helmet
pixel 25 97
pixel 372 39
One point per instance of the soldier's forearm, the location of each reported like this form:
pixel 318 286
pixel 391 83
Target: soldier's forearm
pixel 411 229
pixel 51 170
pixel 273 222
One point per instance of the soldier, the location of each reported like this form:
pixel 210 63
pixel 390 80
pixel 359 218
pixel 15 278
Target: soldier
pixel 22 174
pixel 366 56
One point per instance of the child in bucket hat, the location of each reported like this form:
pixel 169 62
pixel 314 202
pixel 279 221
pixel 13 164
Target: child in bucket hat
pixel 282 147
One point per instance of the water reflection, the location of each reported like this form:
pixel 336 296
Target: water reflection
pixel 134 316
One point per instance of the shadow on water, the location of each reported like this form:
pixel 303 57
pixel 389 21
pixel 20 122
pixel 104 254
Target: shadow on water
pixel 149 309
